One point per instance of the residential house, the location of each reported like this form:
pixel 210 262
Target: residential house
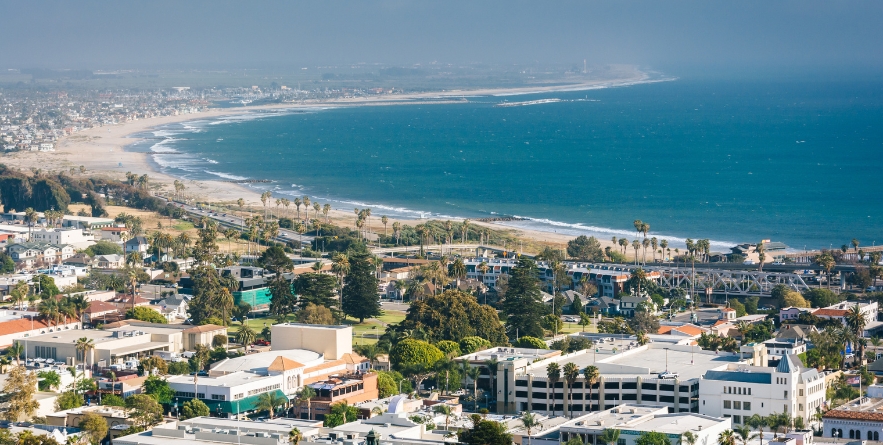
pixel 114 234
pixel 30 255
pixel 110 261
pixel 629 304
pixel 138 244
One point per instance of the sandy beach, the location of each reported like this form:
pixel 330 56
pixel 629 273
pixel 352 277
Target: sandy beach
pixel 101 150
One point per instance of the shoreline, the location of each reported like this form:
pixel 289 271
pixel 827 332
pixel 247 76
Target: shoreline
pixel 88 148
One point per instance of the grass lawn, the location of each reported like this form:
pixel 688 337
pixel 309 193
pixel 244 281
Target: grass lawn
pixel 570 328
pixel 363 333
pixel 183 226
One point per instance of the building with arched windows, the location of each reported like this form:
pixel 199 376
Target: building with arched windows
pixel 860 419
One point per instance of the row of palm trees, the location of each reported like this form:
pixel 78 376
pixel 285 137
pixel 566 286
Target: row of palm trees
pixel 571 372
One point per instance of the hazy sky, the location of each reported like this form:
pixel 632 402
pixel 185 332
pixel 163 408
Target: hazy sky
pixel 657 34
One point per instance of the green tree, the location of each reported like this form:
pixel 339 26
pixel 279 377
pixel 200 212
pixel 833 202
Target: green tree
pixel 388 383
pixel 726 437
pixel 246 335
pixel 585 249
pixel 275 260
pixel 158 388
pixel 50 380
pixel 359 296
pixel 591 374
pixel 145 411
pixel 610 436
pixel 454 315
pixel 571 373
pixel 522 303
pixel 652 438
pixel 94 426
pixel 471 344
pixel 46 286
pixel 112 400
pixel 179 368
pixel 313 314
pixel 409 352
pixel 449 348
pixel 530 421
pixel 316 288
pixel 341 413
pixel 484 432
pixel 553 372
pixel 20 389
pixel 283 301
pixel 194 408
pixel 269 401
pixel 147 314
pixel 822 297
pixel 531 342
pixel 68 400
pixel 148 364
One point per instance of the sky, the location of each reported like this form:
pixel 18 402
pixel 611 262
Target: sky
pixel 688 34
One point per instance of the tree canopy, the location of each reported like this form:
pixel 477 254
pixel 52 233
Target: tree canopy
pixel 194 408
pixel 410 352
pixel 484 432
pixel 454 315
pixel 147 314
pixel 585 248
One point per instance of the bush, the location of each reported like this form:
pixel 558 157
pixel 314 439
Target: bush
pixel 179 368
pixel 68 400
pixel 112 400
pixel 450 348
pixel 531 342
pixel 194 408
pixel 147 314
pixel 468 345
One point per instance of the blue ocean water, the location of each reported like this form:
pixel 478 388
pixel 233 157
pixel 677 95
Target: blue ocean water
pixel 736 161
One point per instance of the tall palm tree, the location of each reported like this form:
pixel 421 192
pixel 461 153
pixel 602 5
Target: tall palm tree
pixel 664 245
pixel 340 265
pixel 446 410
pixel 530 421
pixel 591 374
pixel 636 245
pixel 655 244
pixel 553 371
pixel 325 210
pixel 571 373
pixel 645 243
pixel 855 244
pixel 856 322
pixel 827 261
pixel 458 269
pixel 306 394
pixel 31 218
pixel 50 310
pixel 474 372
pixel 16 351
pixel 493 366
pixel 84 346
pixel 639 276
pixel 689 438
pixel 246 335
pixel 464 231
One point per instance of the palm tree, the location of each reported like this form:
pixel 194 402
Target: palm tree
pixel 827 261
pixel 294 436
pixel 591 374
pixel 340 265
pixel 645 243
pixel 458 269
pixel 325 210
pixel 444 408
pixel 246 335
pixel 553 371
pixel 664 245
pixel 639 276
pixel 269 401
pixel 655 244
pixel 16 351
pixel 636 245
pixel 761 255
pixel 530 421
pixel 855 320
pixel 305 394
pixel 464 231
pixel 85 345
pixel 384 219
pixel 79 303
pixel 493 366
pixel 571 373
pixel 50 310
pixel 744 434
pixel 689 438
pixel 610 436
pixel 855 244
pixel 726 437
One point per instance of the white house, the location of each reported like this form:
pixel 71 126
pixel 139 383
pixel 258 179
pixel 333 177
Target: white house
pixel 634 420
pixel 28 255
pixel 138 244
pixel 72 236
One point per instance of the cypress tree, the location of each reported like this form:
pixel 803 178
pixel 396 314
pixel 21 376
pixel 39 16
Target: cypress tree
pixel 523 304
pixel 360 298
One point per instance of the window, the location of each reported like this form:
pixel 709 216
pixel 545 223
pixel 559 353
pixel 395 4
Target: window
pixel 737 419
pixel 786 394
pixel 727 404
pixel 648 397
pixel 749 391
pixel 620 442
pixel 737 404
pixel 520 393
pixel 801 392
pixel 218 397
pixel 611 385
pixel 746 406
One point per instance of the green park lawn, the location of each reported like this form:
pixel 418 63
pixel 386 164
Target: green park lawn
pixel 363 333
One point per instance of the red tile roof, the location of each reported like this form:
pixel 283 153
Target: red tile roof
pixel 830 313
pixel 854 415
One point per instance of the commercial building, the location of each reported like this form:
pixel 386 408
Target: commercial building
pixel 628 373
pixel 29 255
pixel 16 325
pixel 252 284
pixel 633 420
pixel 120 342
pixel 72 236
pixel 739 391
pixel 301 355
pixel 86 222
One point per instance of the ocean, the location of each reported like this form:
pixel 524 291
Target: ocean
pixel 734 161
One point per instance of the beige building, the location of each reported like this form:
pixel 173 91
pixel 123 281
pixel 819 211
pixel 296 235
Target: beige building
pixel 120 342
pixel 332 341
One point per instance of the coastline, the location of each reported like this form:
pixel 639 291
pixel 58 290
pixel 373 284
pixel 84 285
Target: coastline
pixel 103 150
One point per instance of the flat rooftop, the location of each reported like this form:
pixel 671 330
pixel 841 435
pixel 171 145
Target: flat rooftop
pixel 217 430
pixel 690 362
pixel 507 353
pixel 228 380
pixel 316 326
pixel 675 423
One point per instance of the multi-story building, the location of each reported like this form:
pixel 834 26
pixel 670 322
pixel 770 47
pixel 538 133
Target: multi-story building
pixel 29 255
pixel 663 373
pixel 253 284
pixel 739 391
pixel 72 236
pixel 609 279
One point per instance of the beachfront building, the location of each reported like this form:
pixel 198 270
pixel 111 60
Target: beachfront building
pixel 609 279
pixel 633 420
pixel 739 391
